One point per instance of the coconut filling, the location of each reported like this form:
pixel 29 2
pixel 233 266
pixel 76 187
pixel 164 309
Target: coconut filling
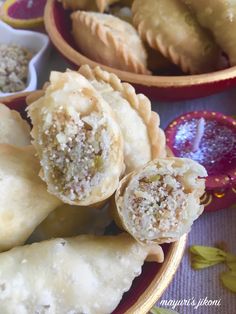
pixel 75 153
pixel 155 206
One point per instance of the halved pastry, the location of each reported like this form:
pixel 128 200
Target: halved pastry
pixel 85 274
pixel 24 200
pixel 219 16
pixel 13 129
pixel 159 203
pixel 170 27
pixel 70 221
pixel 79 4
pixel 143 138
pixel 109 40
pixel 78 141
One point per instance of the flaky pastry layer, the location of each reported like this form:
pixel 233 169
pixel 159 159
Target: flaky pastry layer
pixel 159 203
pixel 169 27
pixel 24 200
pixel 77 139
pixel 143 138
pixel 13 129
pixel 85 274
pixel 109 40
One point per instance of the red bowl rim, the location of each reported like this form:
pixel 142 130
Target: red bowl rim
pixel 148 80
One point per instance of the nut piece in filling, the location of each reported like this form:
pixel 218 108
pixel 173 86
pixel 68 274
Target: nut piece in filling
pixel 78 141
pixel 14 62
pixel 160 202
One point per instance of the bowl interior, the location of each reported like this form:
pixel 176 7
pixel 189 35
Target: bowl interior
pixel 164 87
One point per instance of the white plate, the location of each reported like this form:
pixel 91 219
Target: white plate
pixel 36 42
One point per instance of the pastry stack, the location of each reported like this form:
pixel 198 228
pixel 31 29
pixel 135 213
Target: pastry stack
pixel 156 36
pixel 97 153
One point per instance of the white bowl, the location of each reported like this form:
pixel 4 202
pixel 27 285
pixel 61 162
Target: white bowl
pixel 36 42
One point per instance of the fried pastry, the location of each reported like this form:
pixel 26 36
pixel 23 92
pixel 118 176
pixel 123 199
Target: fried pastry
pixel 110 41
pixel 139 125
pixel 79 4
pixel 24 200
pixel 13 129
pixel 169 27
pixel 126 3
pixel 103 5
pixel 85 274
pixel 219 16
pixel 78 141
pixel 159 203
pixel 157 63
pixel 123 13
pixel 70 221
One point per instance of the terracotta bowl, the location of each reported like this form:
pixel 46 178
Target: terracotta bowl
pixel 155 278
pixel 58 25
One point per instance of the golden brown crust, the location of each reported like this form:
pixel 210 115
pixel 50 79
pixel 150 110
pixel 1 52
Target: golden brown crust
pixel 219 17
pixel 139 102
pixel 193 49
pixel 32 97
pixel 123 13
pixel 157 63
pixel 103 4
pixel 89 27
pixel 155 254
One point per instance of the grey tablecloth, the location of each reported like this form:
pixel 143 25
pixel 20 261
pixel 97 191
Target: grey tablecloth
pixel 210 228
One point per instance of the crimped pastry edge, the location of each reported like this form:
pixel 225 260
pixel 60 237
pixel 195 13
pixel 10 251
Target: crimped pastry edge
pixel 156 42
pixel 117 203
pixel 139 102
pixel 117 142
pixel 98 31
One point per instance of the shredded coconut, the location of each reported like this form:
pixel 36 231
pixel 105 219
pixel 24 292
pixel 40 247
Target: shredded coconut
pixel 14 62
pixel 75 153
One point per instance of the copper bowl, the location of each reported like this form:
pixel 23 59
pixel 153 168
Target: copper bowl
pixel 58 25
pixel 155 278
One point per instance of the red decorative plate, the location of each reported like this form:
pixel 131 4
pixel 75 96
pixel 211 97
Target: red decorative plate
pixel 217 153
pixel 58 25
pixel 155 278
pixel 23 13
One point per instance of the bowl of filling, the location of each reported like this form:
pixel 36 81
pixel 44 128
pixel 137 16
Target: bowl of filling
pixel 22 55
pixel 168 50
